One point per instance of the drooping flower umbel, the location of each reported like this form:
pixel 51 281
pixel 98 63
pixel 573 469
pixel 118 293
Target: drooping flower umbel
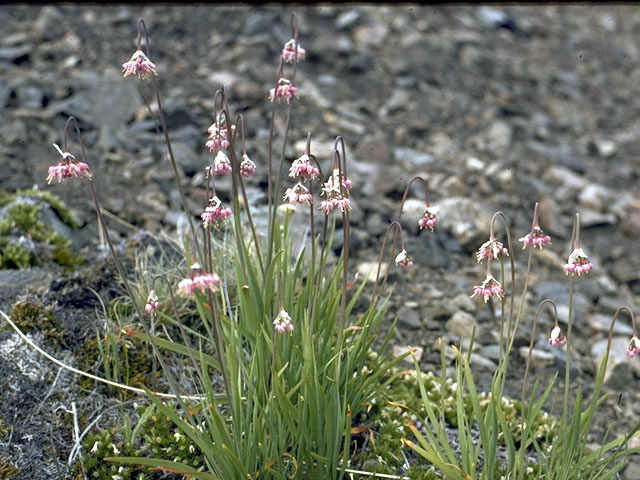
pixel 489 288
pixel 491 249
pixel 198 280
pixel 282 323
pixel 403 260
pixel 218 134
pixel 578 263
pixel 289 52
pixel 285 90
pixel 221 164
pixel 303 168
pixel 429 218
pixel 557 337
pixel 634 346
pixel 67 167
pixel 298 194
pixel 536 237
pixel 152 302
pixel 139 64
pixel 247 167
pixel 336 193
pixel 215 212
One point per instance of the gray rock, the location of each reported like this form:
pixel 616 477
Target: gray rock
pixel 368 36
pixel 591 218
pixel 539 357
pixel 461 324
pixel 106 102
pixel 409 318
pixel 596 197
pixel 621 370
pixel 346 19
pixel 467 219
pixel 601 323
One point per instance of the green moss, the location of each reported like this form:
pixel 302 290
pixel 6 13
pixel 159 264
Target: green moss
pixel 28 317
pixel 159 438
pixel 23 220
pixel 7 471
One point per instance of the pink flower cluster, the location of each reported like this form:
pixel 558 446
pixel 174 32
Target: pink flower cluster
pixel 198 281
pixel 289 51
pixel 557 337
pixel 489 288
pixel 215 212
pixel 302 167
pixel 429 218
pixel 221 164
pixel 285 90
pixel 152 302
pixel 578 263
pixel 282 323
pixel 336 193
pixel 634 346
pixel 67 167
pixel 403 260
pixel 218 137
pixel 536 238
pixel 491 249
pixel 139 64
pixel 298 195
pixel 247 167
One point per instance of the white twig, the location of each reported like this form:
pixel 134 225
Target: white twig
pixel 94 377
pixel 379 475
pixel 53 386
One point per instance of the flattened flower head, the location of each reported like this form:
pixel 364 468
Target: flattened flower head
pixel 578 263
pixel 489 288
pixel 403 260
pixel 285 90
pixel 215 212
pixel 429 218
pixel 557 337
pixel 536 238
pixel 67 167
pixel 634 347
pixel 491 249
pixel 139 64
pixel 282 323
pixel 289 52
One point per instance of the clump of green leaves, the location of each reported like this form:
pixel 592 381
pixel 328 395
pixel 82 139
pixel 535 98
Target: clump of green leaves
pixel 22 220
pixel 401 405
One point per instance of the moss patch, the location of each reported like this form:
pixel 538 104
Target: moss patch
pixel 22 221
pixel 29 316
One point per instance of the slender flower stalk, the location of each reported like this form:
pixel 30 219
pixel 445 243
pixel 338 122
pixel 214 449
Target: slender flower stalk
pixel 116 259
pixel 142 28
pixel 527 406
pixel 430 216
pixel 273 200
pixel 575 247
pixel 536 237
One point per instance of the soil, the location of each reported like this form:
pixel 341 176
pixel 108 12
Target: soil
pixel 496 107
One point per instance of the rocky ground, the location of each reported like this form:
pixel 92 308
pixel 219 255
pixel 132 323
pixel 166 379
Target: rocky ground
pixel 496 107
